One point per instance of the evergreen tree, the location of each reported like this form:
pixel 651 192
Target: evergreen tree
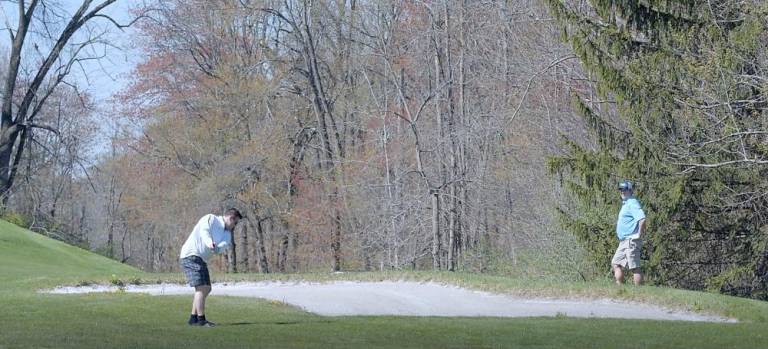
pixel 687 121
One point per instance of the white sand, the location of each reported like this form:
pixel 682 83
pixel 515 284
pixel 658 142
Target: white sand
pixel 414 299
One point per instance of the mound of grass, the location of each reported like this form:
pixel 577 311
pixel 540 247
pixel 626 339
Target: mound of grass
pixel 28 259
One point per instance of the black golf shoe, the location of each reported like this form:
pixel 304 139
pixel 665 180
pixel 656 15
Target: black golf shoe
pixel 205 323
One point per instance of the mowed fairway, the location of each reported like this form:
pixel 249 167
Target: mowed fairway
pixel 29 262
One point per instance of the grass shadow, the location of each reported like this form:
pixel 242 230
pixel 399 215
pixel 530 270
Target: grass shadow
pixel 245 323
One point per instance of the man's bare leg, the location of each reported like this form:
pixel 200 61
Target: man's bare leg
pixel 618 274
pixel 637 276
pixel 198 303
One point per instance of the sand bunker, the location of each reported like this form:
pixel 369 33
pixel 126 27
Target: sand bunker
pixel 414 299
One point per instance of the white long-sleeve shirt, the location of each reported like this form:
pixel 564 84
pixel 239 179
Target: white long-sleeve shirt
pixel 209 236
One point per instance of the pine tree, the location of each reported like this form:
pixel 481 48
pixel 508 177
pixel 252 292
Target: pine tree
pixel 687 121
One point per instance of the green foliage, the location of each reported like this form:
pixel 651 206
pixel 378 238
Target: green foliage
pixel 15 218
pixel 115 281
pixel 106 251
pixel 683 80
pixel 730 279
pixel 561 263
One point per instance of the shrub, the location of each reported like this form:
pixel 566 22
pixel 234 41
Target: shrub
pixel 114 280
pixel 15 218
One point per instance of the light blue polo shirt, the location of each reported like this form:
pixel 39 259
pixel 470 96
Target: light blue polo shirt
pixel 630 214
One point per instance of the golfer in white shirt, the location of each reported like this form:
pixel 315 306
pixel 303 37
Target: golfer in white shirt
pixel 212 234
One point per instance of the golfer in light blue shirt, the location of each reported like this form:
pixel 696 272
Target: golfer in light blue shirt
pixel 630 226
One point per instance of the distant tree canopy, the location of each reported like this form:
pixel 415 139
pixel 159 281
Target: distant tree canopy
pixel 354 135
pixel 679 107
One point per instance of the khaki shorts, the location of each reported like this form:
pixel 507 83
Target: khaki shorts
pixel 628 253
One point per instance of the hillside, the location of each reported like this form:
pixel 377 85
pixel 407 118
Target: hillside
pixel 27 257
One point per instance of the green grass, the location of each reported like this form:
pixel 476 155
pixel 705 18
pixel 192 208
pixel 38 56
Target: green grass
pixel 29 319
pixel 29 261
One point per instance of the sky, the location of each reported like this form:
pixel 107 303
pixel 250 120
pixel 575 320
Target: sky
pixel 100 79
pixel 112 74
pixel 109 75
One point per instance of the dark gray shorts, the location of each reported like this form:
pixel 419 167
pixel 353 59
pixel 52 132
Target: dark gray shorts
pixel 196 271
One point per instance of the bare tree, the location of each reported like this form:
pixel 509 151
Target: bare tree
pixel 23 96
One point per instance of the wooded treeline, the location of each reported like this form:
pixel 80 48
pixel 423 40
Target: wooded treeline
pixel 353 135
pixel 374 135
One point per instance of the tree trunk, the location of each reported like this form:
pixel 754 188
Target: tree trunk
pixel 436 248
pixel 263 264
pixel 326 122
pixel 123 254
pixel 282 254
pixel 245 260
pixel 452 230
pixel 336 243
pixel 150 252
pixel 232 254
pixel 436 236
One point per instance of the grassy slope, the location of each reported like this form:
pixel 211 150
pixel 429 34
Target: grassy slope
pixel 32 320
pixel 32 260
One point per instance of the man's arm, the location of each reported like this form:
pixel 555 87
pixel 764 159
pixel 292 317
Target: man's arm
pixel 205 232
pixel 638 214
pixel 223 245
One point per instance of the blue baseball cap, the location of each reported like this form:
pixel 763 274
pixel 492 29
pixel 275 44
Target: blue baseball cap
pixel 626 185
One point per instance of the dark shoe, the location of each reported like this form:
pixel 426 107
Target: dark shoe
pixel 192 322
pixel 205 323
